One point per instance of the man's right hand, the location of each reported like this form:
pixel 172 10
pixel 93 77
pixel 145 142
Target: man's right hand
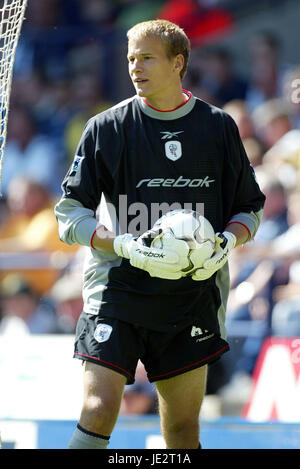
pixel 166 262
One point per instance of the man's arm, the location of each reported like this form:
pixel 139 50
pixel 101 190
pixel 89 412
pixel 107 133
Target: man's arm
pixel 103 239
pixel 77 225
pixel 240 232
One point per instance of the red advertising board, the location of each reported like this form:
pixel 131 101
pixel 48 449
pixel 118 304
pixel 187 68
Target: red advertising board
pixel 276 382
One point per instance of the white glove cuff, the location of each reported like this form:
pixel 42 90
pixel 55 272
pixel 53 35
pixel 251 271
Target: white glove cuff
pixel 231 239
pixel 120 245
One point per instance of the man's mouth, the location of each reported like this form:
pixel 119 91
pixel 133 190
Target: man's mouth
pixel 140 80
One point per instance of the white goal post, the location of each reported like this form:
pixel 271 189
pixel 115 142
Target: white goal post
pixel 11 19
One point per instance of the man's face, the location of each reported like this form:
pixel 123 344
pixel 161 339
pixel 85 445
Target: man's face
pixel 153 73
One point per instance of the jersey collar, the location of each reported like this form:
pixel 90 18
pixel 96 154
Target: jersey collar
pixel 176 113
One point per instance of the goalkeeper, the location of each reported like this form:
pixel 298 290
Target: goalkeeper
pixel 161 147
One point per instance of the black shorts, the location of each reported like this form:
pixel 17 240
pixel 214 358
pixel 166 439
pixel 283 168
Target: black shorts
pixel 119 345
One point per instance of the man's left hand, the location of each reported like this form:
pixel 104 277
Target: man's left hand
pixel 225 242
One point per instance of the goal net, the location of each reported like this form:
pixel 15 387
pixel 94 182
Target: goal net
pixel 11 19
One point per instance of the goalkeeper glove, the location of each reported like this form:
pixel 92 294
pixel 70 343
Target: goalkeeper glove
pixel 164 262
pixel 225 242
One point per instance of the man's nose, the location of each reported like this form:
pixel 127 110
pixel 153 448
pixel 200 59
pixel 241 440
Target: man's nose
pixel 136 66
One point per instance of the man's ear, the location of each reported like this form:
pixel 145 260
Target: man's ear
pixel 179 62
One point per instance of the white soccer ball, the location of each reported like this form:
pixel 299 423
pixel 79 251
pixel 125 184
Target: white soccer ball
pixel 191 227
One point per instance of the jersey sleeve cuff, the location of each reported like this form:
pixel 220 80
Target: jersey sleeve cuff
pixel 250 221
pixel 84 231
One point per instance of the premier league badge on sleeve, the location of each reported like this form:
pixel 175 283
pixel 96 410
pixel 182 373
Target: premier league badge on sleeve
pixel 173 150
pixel 102 332
pixel 76 163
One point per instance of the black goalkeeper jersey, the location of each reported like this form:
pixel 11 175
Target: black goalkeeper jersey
pixel 141 162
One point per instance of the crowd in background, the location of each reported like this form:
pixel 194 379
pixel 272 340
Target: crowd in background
pixel 64 73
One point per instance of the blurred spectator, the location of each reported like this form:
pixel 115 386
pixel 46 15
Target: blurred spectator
pixel 134 11
pixel 31 227
pixel 254 151
pixel 31 224
pixel 49 104
pixel 100 13
pixel 286 248
pixel 291 94
pixel 66 293
pixel 250 302
pixel 87 101
pixel 19 300
pixel 28 91
pixel 30 154
pixel 200 22
pixel 42 45
pixel 286 311
pixel 264 298
pixel 140 397
pixel 271 122
pixel 247 324
pixel 86 59
pixel 283 159
pixel 274 221
pixel 284 251
pixel 238 110
pixel 266 69
pixel 216 81
pixel 288 244
pixel 43 15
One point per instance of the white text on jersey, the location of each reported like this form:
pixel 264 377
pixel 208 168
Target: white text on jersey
pixel 179 182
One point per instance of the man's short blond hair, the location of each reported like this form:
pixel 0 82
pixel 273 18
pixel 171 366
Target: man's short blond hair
pixel 174 38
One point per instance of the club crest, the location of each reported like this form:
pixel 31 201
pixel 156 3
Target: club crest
pixel 102 332
pixel 173 149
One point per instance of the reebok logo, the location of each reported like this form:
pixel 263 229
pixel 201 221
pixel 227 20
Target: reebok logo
pixel 150 254
pixel 170 134
pixel 179 182
pixel 219 261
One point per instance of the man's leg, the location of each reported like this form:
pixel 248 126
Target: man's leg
pixel 103 391
pixel 180 400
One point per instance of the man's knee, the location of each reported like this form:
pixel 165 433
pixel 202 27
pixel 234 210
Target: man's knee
pixel 98 413
pixel 184 425
pixel 180 434
pixel 96 405
pixel 102 398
